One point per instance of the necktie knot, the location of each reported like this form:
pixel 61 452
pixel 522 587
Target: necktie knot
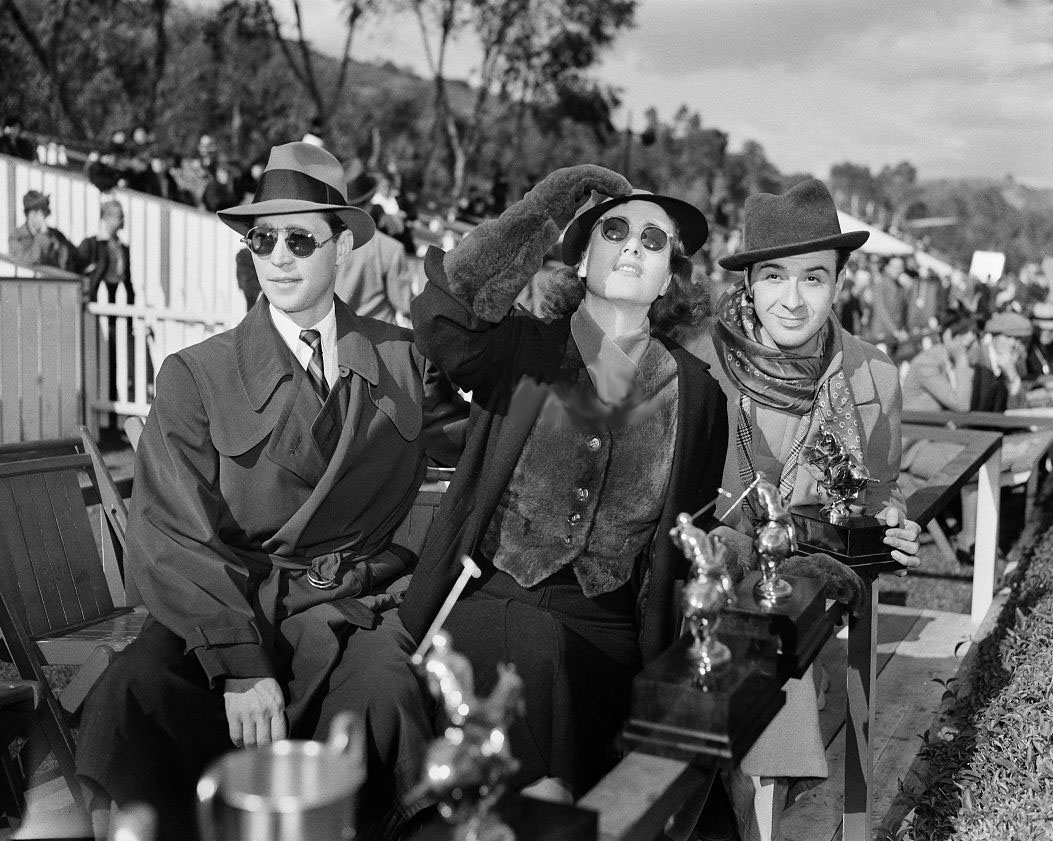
pixel 315 367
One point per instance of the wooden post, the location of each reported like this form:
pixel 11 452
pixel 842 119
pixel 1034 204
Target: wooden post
pixel 988 500
pixel 861 675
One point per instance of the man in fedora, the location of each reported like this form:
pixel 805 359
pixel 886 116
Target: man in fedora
pixel 375 280
pixel 277 461
pixel 787 368
pixel 35 242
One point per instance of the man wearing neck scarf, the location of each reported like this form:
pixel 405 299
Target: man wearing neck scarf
pixel 787 366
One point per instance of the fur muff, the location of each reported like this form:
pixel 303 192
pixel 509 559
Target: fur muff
pixel 491 266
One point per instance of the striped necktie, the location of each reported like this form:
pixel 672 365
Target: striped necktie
pixel 315 368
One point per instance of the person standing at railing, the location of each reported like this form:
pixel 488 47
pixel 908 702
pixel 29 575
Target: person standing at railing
pixel 103 258
pixel 37 244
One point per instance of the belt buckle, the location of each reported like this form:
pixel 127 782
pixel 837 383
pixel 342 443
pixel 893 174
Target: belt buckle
pixel 324 580
pixel 322 583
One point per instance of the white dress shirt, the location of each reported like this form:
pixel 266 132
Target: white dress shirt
pixel 290 333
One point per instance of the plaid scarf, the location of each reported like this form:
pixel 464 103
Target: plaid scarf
pixel 800 384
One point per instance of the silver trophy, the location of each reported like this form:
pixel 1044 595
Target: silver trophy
pixel 775 537
pixel 844 477
pixel 707 592
pixel 466 768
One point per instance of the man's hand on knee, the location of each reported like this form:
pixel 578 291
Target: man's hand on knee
pixel 255 710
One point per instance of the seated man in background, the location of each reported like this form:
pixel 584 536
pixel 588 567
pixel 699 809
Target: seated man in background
pixel 997 382
pixel 37 244
pixel 277 461
pixel 941 378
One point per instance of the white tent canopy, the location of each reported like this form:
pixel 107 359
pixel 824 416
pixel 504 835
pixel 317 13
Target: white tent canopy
pixel 888 246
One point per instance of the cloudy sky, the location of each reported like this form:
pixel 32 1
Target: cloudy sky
pixel 961 88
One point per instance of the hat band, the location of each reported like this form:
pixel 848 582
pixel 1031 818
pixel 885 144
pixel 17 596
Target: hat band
pixel 293 184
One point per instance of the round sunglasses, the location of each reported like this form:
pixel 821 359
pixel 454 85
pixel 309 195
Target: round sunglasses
pixel 617 229
pixel 261 241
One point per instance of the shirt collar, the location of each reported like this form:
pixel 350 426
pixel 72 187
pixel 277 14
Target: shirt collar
pixel 290 330
pixel 612 363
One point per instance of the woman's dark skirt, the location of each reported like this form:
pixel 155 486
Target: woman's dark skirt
pixel 577 657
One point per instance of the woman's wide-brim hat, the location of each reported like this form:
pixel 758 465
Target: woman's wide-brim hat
pixel 690 222
pixel 301 178
pixel 800 221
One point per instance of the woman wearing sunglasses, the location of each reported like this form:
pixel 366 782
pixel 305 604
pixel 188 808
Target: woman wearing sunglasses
pixel 591 430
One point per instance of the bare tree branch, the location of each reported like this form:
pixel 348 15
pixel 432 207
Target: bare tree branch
pixel 282 45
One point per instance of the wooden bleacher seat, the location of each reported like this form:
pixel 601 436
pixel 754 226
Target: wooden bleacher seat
pixel 57 607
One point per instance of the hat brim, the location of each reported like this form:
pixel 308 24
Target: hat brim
pixel 849 241
pixel 690 222
pixel 243 217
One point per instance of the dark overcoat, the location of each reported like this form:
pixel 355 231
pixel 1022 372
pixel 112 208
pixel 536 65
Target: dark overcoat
pixel 235 497
pixel 508 366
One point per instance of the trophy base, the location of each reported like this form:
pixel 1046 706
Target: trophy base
pixel 712 724
pixel 801 622
pixel 776 589
pixel 857 542
pixel 527 818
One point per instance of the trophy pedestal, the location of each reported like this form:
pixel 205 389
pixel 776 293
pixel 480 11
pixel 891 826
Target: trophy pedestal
pixel 713 724
pixel 800 622
pixel 529 819
pixel 857 542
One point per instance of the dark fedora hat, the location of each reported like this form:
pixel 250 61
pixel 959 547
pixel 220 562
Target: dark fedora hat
pixel 690 222
pixel 301 178
pixel 361 189
pixel 801 220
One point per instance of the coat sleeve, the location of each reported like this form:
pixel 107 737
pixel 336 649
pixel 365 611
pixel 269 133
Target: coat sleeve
pixel 885 464
pixel 191 581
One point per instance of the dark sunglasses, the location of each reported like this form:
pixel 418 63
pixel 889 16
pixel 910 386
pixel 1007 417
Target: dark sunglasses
pixel 261 241
pixel 617 228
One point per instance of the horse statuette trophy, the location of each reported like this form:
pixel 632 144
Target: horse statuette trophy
pixel 465 769
pixel 857 540
pixel 705 700
pixel 707 592
pixel 774 540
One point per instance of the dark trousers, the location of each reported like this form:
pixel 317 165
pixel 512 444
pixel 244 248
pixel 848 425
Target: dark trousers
pixel 152 725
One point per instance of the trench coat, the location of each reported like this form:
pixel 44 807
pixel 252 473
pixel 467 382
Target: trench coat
pixel 235 497
pixel 508 366
pixel 792 745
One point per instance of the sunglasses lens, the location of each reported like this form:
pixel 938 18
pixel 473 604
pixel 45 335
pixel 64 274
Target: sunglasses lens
pixel 653 239
pixel 614 229
pixel 300 244
pixel 261 243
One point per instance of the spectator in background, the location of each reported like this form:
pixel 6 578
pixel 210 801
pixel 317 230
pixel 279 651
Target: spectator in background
pixel 1040 354
pixel 219 192
pixel 104 258
pixel 926 303
pixel 888 308
pixel 16 142
pixel 158 180
pixel 941 378
pixel 374 280
pixel 37 244
pixel 997 383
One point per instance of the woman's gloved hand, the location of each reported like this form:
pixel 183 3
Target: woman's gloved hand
pixel 491 266
pixel 840 582
pixel 559 194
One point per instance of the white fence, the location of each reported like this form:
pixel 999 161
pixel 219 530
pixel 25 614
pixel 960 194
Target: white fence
pixel 183 274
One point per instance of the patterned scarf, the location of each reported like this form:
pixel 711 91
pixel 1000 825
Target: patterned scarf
pixel 800 384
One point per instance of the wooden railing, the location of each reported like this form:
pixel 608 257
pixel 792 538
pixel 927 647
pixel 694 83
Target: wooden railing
pixel 182 270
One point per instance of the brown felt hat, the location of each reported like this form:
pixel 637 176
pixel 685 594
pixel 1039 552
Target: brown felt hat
pixel 801 220
pixel 301 178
